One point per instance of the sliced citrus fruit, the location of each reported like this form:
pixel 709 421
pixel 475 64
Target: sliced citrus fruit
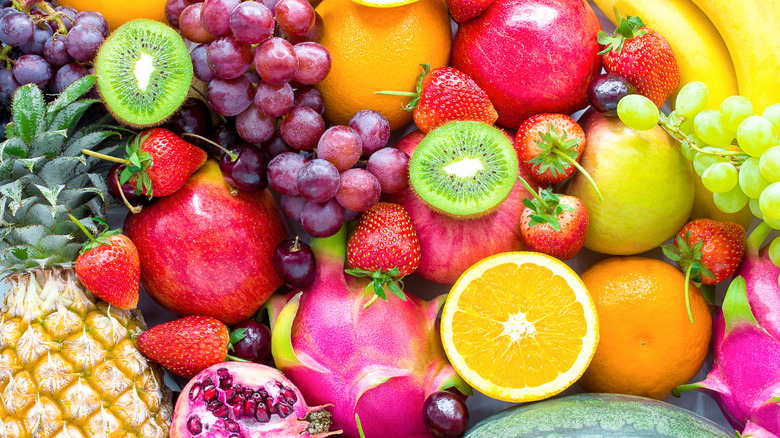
pixel 519 326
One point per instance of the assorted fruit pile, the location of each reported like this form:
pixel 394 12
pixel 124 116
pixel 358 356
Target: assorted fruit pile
pixel 277 197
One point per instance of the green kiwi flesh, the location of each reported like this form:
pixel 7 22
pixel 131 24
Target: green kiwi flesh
pixel 144 72
pixel 464 168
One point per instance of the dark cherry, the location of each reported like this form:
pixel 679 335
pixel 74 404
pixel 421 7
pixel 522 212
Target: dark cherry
pixel 445 414
pixel 246 169
pixel 193 117
pixel 225 135
pixel 128 189
pixel 294 261
pixel 255 346
pixel 604 91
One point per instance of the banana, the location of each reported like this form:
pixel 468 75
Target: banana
pixel 751 30
pixel 700 51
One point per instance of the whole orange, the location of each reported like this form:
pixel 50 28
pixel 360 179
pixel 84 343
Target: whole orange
pixel 647 344
pixel 375 49
pixel 119 12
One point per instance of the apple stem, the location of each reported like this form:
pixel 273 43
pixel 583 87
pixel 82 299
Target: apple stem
pixel 82 227
pixel 233 156
pixel 133 209
pixel 581 169
pixel 687 295
pixel 105 157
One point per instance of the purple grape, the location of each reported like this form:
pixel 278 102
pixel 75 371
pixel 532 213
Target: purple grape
pixel 36 44
pixel 216 15
pixel 311 97
pixel 292 206
pixel 322 220
pixel 128 189
pixel 248 171
pixel 9 10
pixel 224 135
pixel 229 58
pixel 191 26
pixel 341 145
pixel 66 75
pixel 313 63
pixel 200 63
pixel 252 22
pixel 445 414
pixel 352 215
pixel 391 167
pixel 275 61
pixel 253 77
pixel 254 126
pixel 8 85
pixel 275 146
pixel 270 4
pixel 295 17
pixel 16 29
pixel 33 69
pixel 283 173
pixel 294 261
pixel 302 128
pixel 274 100
pixel 359 190
pixel 173 10
pixel 230 97
pixel 192 117
pixel 314 34
pixel 68 15
pixel 55 51
pixel 318 180
pixel 604 91
pixel 83 42
pixel 94 19
pixel 373 128
pixel 255 346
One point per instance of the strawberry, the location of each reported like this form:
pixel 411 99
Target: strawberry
pixel 553 224
pixel 384 247
pixel 447 95
pixel 642 56
pixel 186 346
pixel 708 251
pixel 464 10
pixel 110 268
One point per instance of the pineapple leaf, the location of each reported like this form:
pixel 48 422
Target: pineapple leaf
pixel 29 235
pixel 50 193
pixel 52 244
pixel 13 191
pixel 72 198
pixel 14 147
pixel 87 142
pixel 9 130
pixel 99 184
pixel 58 171
pixel 6 169
pixel 48 144
pixel 28 111
pixel 69 95
pixel 40 214
pixel 71 114
pixel 31 164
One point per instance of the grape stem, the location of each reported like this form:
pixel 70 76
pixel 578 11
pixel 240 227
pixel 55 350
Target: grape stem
pixel 52 14
pixel 674 130
pixel 9 63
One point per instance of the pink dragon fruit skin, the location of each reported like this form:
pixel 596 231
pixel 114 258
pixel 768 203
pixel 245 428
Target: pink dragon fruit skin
pixel 763 289
pixel 379 362
pixel 745 379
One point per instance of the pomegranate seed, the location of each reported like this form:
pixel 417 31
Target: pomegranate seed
pixel 236 435
pixel 217 408
pixel 238 411
pixel 232 426
pixel 263 394
pixel 195 391
pixel 262 413
pixel 194 426
pixel 248 393
pixel 225 379
pixel 284 409
pixel 289 395
pixel 250 408
pixel 210 393
pixel 271 403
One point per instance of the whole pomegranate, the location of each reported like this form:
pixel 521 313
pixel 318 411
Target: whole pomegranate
pixel 247 400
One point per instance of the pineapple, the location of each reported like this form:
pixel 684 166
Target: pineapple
pixel 69 366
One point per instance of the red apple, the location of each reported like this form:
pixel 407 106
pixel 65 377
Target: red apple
pixel 206 252
pixel 448 245
pixel 531 56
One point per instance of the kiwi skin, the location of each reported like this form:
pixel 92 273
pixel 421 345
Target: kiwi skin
pixel 168 101
pixel 493 149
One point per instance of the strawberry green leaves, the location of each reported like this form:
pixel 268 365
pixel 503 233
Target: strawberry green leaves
pixel 627 28
pixel 140 161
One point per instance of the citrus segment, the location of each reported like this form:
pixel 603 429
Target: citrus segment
pixel 519 326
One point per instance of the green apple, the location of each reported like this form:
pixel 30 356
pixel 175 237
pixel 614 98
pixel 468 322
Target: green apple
pixel 647 187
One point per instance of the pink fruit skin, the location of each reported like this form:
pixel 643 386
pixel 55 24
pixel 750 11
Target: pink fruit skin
pixel 762 288
pixel 449 245
pixel 206 252
pixel 531 56
pixel 380 362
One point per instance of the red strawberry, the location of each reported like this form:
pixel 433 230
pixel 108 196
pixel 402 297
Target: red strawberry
pixel 447 95
pixel 110 268
pixel 384 247
pixel 641 55
pixel 464 10
pixel 186 346
pixel 708 251
pixel 553 224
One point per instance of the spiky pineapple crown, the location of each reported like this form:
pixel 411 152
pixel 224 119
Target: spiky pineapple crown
pixel 44 176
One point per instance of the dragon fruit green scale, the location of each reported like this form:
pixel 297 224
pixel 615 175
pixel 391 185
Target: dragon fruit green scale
pixel 379 362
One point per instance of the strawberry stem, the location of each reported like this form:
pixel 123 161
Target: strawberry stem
pixel 533 193
pixel 233 156
pixel 582 170
pixel 687 296
pixel 133 209
pixel 82 227
pixel 105 157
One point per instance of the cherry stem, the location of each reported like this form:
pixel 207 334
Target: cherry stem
pixel 82 227
pixel 532 192
pixel 687 296
pixel 236 359
pixel 582 170
pixel 233 156
pixel 105 157
pixel 296 247
pixel 133 209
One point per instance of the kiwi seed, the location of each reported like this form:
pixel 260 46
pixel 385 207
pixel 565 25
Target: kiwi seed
pixel 144 72
pixel 464 169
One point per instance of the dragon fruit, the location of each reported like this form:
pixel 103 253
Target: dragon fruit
pixel 245 400
pixel 379 361
pixel 745 380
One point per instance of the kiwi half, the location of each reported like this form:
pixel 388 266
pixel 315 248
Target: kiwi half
pixel 144 72
pixel 464 168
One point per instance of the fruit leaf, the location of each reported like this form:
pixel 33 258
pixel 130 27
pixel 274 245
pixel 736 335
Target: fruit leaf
pixel 552 145
pixel 418 89
pixel 69 95
pixel 235 336
pixel 627 28
pixel 141 162
pixel 28 112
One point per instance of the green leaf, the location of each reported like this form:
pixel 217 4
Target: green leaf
pixel 9 130
pixel 237 335
pixel 60 170
pixel 14 147
pixel 70 115
pixel 48 144
pixel 28 112
pixel 396 290
pixel 13 191
pixel 553 221
pixel 30 235
pixel 50 193
pixel 379 290
pixel 70 94
pixel 88 141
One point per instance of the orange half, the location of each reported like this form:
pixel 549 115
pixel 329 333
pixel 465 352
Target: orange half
pixel 519 326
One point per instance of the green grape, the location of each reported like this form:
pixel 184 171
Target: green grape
pixel 769 164
pixel 750 179
pixel 769 201
pixel 708 127
pixel 774 251
pixel 732 201
pixel 692 99
pixel 687 151
pixel 720 177
pixel 773 223
pixel 638 112
pixel 755 135
pixel 772 113
pixel 734 110
pixel 755 209
pixel 702 161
